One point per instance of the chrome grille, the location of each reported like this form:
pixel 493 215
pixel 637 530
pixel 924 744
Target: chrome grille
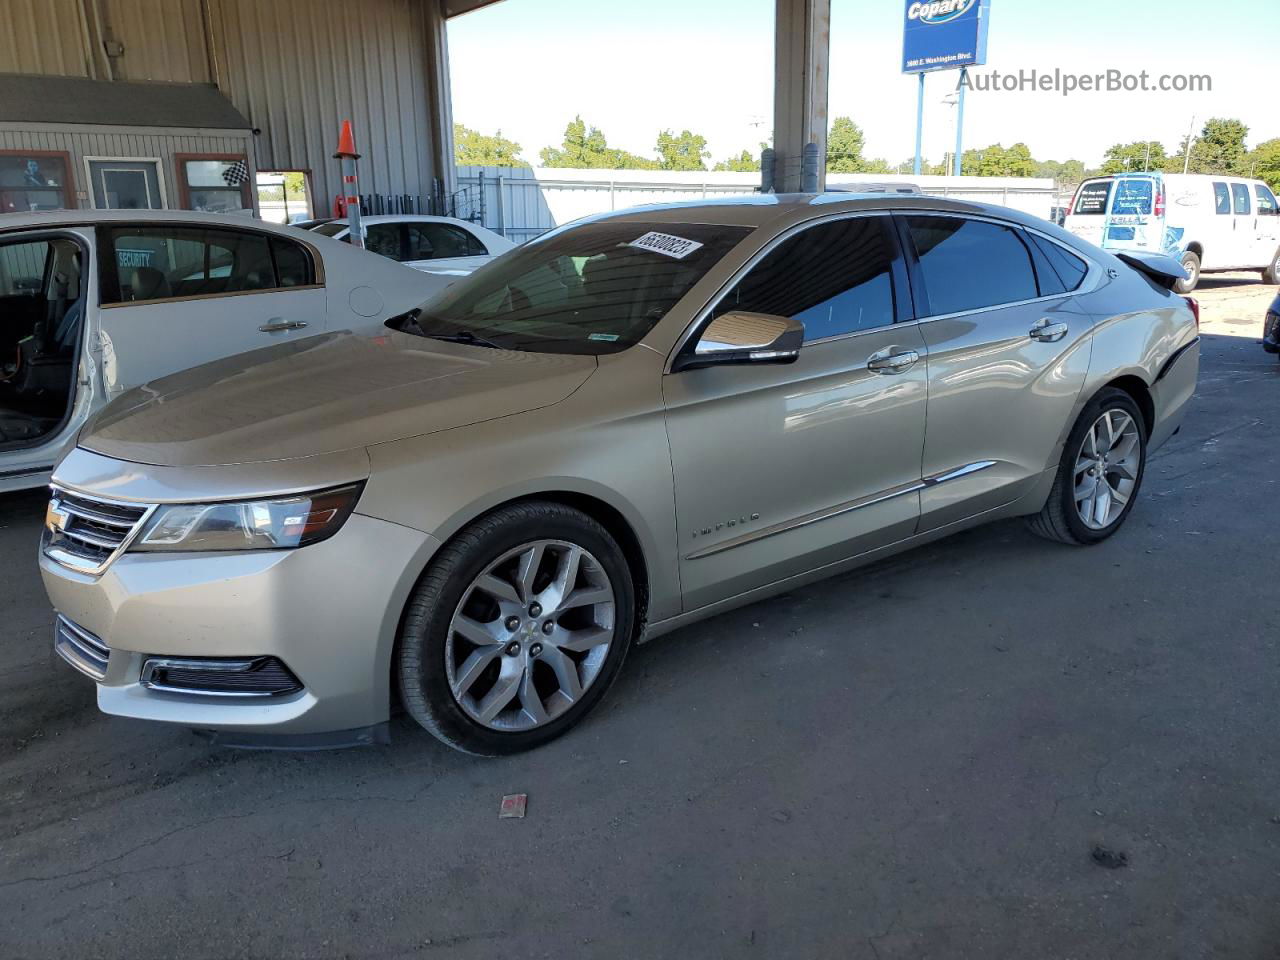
pixel 85 533
pixel 80 648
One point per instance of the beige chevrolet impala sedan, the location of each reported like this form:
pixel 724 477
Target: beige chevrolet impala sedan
pixel 632 423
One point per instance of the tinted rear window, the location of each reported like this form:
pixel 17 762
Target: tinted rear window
pixel 1063 265
pixel 1133 197
pixel 969 264
pixel 330 229
pixel 1092 198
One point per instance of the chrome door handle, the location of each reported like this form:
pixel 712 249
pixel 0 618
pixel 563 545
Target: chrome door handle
pixel 1048 331
pixel 277 324
pixel 891 363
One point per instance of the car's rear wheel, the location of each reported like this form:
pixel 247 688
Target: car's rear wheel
pixel 1272 273
pixel 1191 264
pixel 1100 473
pixel 516 630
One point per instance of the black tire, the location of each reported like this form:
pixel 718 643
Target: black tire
pixel 1191 264
pixel 1271 275
pixel 424 628
pixel 1059 519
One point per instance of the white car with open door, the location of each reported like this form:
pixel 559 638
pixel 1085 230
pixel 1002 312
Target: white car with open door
pixel 94 302
pixel 443 245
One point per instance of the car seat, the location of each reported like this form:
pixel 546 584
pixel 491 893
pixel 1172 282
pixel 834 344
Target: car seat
pixel 148 283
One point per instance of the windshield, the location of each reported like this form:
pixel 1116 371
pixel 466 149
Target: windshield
pixel 594 289
pixel 330 229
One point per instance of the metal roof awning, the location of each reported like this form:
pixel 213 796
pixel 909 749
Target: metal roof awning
pixel 41 99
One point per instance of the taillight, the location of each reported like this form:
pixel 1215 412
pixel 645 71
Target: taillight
pixel 1194 304
pixel 1071 204
pixel 1160 203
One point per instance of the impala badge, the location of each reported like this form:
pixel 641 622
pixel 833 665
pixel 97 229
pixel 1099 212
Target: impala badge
pixel 725 524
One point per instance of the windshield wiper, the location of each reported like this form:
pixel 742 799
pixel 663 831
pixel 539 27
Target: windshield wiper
pixel 411 322
pixel 464 336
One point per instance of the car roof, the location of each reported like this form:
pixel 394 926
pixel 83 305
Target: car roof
pixel 401 218
pixel 782 209
pixel 71 218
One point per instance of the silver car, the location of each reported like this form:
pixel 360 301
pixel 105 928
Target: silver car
pixel 633 423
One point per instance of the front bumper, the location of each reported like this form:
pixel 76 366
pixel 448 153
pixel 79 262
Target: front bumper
pixel 328 611
pixel 1271 331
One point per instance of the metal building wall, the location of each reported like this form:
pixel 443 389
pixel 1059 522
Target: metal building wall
pixel 297 68
pixel 44 36
pixel 162 39
pixel 159 142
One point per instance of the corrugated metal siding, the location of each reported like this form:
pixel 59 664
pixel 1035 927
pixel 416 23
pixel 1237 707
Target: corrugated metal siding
pixel 20 264
pixel 43 36
pixel 83 142
pixel 163 39
pixel 298 68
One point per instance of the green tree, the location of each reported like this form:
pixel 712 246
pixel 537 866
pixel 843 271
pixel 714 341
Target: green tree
pixel 1135 157
pixel 1219 149
pixel 1220 146
pixel 295 185
pixel 687 151
pixel 1060 171
pixel 585 147
pixel 997 161
pixel 471 147
pixel 844 147
pixel 744 162
pixel 1265 162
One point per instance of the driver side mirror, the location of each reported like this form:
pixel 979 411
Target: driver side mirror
pixel 742 337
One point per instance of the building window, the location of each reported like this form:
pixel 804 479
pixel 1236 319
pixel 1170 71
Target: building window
pixel 215 183
pixel 35 180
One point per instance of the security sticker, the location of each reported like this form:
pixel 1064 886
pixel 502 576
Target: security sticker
pixel 664 243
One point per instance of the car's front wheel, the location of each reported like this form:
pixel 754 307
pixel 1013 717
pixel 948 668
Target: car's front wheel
pixel 1100 472
pixel 516 630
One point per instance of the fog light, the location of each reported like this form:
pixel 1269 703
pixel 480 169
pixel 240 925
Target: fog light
pixel 219 677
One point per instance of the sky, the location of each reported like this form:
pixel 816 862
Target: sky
pixel 634 67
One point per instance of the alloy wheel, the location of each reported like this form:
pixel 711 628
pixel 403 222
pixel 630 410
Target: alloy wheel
pixel 530 635
pixel 1106 469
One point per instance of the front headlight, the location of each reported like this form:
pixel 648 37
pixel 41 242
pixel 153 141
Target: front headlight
pixel 280 523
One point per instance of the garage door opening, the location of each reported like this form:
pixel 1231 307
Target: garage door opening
pixel 284 196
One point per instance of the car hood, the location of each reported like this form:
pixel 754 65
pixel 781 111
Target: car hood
pixel 325 394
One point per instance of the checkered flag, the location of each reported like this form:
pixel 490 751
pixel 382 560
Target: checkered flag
pixel 236 174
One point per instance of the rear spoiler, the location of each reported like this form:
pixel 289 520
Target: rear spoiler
pixel 1165 271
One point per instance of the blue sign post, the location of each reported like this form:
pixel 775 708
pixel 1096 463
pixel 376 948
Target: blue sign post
pixel 943 35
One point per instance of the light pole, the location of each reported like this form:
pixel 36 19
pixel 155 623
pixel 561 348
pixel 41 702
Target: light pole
pixel 1186 159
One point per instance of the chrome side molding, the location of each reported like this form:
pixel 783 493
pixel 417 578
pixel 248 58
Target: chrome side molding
pixel 841 509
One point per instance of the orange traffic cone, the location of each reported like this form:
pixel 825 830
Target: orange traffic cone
pixel 346 142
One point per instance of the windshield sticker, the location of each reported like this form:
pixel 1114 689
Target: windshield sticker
pixel 664 243
pixel 608 337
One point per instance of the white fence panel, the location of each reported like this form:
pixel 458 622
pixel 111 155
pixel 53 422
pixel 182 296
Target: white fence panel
pixel 522 202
